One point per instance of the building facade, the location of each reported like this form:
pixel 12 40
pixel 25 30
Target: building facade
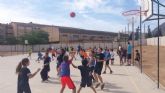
pixel 71 35
pixel 6 31
pixel 58 34
pixel 20 29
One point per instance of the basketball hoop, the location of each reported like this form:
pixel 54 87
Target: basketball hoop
pixel 134 12
pixel 145 12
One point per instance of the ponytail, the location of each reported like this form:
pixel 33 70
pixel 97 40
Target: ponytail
pixel 22 63
pixel 19 67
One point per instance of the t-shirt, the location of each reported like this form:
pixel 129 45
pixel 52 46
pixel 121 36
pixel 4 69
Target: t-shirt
pixel 107 55
pixel 23 76
pixel 100 56
pixel 65 69
pixel 39 54
pixel 60 58
pixel 85 55
pixel 92 61
pixel 85 72
pixel 112 55
pixel 129 49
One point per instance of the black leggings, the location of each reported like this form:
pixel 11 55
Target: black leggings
pixel 44 74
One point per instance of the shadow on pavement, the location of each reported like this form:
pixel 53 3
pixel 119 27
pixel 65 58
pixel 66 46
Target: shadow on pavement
pixel 110 87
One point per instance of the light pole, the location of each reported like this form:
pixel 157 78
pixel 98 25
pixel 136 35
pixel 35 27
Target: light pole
pixel 26 43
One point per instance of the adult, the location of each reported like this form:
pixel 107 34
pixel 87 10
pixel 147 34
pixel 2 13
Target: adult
pixel 129 54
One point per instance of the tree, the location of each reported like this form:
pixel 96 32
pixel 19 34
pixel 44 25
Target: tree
pixel 35 37
pixel 137 34
pixel 11 40
pixel 149 33
pixel 158 33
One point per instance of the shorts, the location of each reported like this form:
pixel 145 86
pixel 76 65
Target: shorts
pixel 129 56
pixel 87 83
pixel 107 62
pixel 112 59
pixel 98 68
pixel 137 59
pixel 66 80
pixel 58 64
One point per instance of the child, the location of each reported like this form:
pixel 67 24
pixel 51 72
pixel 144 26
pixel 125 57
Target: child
pixel 86 76
pixel 24 75
pixel 53 54
pixel 112 56
pixel 39 56
pixel 60 59
pixel 91 63
pixel 30 53
pixel 137 58
pixel 64 70
pixel 46 68
pixel 107 58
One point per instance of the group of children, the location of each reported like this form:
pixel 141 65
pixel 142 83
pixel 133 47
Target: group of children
pixel 125 55
pixel 90 68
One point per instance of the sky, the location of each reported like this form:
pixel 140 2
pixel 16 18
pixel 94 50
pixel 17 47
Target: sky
pixel 104 15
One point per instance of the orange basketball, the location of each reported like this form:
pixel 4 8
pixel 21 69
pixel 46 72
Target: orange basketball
pixel 72 14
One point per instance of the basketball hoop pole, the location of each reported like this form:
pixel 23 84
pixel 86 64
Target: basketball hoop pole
pixel 141 41
pixel 125 37
pixel 133 38
pixel 158 39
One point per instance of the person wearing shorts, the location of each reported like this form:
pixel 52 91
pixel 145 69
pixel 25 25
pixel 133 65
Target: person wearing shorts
pixel 86 75
pixel 53 54
pixel 64 70
pixel 60 59
pixel 98 68
pixel 112 56
pixel 107 58
pixel 91 63
pixel 129 52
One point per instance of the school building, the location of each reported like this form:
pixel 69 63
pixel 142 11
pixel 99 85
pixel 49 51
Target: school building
pixel 59 34
pixel 6 31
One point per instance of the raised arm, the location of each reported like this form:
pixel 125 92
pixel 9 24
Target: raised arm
pixel 32 75
pixel 72 56
pixel 74 66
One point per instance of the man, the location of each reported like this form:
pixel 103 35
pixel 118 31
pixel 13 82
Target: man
pixel 129 52
pixel 98 68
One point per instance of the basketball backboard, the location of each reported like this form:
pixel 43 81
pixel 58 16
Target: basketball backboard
pixel 147 8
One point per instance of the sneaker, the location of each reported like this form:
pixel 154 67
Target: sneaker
pixel 45 81
pixel 102 86
pixel 111 72
pixel 104 72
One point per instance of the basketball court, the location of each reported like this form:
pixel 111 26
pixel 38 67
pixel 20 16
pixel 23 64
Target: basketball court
pixel 148 77
pixel 124 80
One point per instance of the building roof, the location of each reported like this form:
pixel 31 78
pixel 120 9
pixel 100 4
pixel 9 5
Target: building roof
pixel 84 31
pixel 162 27
pixel 71 29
